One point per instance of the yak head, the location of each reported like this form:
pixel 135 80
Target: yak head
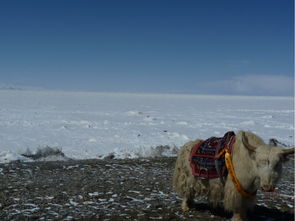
pixel 268 160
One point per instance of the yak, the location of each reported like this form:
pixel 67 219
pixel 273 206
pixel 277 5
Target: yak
pixel 256 165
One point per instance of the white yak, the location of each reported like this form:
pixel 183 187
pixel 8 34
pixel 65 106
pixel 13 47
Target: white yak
pixel 256 164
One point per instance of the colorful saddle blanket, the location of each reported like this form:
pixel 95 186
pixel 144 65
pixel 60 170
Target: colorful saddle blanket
pixel 205 160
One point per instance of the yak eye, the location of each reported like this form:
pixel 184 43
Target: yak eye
pixel 263 162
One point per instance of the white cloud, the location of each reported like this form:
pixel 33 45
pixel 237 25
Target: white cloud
pixel 274 85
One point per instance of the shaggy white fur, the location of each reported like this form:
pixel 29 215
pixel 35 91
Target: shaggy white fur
pixel 255 163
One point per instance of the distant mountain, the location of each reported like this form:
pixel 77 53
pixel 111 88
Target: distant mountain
pixel 18 87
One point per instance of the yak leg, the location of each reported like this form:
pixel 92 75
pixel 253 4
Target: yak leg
pixel 188 200
pixel 239 217
pixel 186 204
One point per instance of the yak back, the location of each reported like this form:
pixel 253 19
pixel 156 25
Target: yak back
pixel 204 159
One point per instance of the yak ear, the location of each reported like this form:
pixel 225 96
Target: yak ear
pixel 246 142
pixel 288 151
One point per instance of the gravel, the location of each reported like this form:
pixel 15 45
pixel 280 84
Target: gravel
pixel 110 189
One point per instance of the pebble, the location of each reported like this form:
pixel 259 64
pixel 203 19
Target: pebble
pixel 131 189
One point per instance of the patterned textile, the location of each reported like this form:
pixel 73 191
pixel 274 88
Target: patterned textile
pixel 207 158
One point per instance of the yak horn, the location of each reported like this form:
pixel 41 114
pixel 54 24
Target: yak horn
pixel 288 151
pixel 246 143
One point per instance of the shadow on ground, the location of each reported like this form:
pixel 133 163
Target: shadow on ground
pixel 259 213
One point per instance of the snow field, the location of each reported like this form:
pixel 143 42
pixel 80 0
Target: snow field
pixel 94 125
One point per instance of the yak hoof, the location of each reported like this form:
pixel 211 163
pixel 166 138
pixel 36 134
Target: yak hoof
pixel 184 206
pixel 238 217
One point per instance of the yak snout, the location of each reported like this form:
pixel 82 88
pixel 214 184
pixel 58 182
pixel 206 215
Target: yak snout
pixel 267 188
pixel 268 182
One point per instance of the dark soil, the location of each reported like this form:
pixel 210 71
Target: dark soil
pixel 138 189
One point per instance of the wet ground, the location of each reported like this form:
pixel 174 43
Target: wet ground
pixel 116 190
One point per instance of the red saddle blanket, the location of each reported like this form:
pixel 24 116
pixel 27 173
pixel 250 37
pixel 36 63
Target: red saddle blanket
pixel 204 158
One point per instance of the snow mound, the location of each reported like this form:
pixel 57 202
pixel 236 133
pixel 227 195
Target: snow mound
pixel 275 142
pixel 134 113
pixel 142 152
pixel 8 156
pixel 46 154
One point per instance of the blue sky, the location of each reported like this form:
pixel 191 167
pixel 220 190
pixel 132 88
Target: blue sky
pixel 156 46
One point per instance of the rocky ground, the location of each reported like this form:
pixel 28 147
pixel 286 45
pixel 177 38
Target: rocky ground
pixel 116 190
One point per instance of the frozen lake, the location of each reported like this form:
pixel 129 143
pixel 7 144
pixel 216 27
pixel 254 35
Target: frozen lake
pixel 92 125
